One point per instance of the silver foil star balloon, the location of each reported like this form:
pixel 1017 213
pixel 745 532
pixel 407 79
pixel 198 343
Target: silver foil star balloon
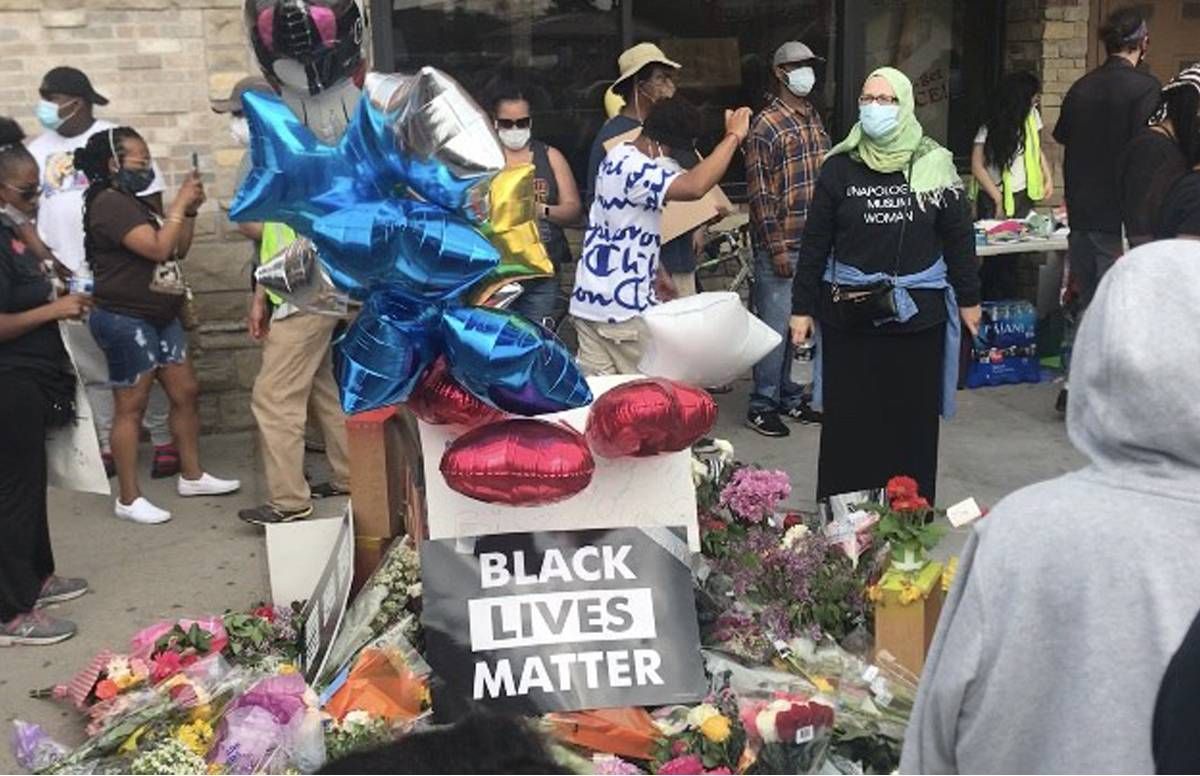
pixel 296 275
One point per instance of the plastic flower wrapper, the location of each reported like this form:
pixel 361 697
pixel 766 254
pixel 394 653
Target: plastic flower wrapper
pixel 356 731
pixel 627 731
pixel 788 732
pixel 388 679
pixel 390 596
pixel 33 748
pixel 272 727
pixel 264 637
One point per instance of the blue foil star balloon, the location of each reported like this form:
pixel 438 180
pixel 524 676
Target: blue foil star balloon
pixel 511 362
pixel 383 353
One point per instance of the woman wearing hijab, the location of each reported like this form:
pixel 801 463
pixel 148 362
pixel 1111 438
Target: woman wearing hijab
pixel 886 269
pixel 1158 156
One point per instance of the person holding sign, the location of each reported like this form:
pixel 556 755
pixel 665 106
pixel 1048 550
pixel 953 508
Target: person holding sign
pixel 618 276
pixel 887 267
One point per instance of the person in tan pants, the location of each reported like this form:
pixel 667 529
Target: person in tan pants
pixel 296 378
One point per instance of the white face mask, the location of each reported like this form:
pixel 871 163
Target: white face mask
pixel 514 139
pixel 239 130
pixel 800 81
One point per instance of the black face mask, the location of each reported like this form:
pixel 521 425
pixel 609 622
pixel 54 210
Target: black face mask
pixel 134 181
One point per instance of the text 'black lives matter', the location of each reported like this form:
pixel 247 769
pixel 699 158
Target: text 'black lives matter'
pixel 561 620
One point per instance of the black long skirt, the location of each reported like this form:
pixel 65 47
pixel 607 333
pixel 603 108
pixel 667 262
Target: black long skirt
pixel 882 397
pixel 25 556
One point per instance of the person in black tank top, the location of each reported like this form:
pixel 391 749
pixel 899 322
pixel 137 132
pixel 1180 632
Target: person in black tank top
pixel 558 201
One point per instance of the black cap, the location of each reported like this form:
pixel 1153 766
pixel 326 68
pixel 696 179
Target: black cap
pixel 68 80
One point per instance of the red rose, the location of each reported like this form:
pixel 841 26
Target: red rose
pixel 901 487
pixel 712 524
pixel 791 519
pixel 789 721
pixel 679 747
pixel 265 612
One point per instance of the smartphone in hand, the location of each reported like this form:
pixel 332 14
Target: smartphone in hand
pixel 195 164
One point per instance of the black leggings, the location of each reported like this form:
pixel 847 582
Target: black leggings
pixel 25 556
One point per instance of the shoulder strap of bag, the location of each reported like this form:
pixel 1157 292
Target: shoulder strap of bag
pixel 899 245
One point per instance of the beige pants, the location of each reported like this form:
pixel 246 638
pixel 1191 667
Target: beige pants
pixel 297 373
pixel 685 283
pixel 608 348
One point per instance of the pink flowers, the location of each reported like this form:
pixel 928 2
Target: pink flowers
pixel 689 765
pixel 753 494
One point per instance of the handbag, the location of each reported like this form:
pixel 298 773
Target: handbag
pixel 856 305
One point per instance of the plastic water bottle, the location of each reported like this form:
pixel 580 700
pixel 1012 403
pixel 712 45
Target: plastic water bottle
pixel 802 364
pixel 82 283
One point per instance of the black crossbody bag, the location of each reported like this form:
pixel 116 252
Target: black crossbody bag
pixel 857 305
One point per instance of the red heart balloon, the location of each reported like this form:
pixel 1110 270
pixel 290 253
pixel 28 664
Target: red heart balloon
pixel 519 462
pixel 647 417
pixel 439 399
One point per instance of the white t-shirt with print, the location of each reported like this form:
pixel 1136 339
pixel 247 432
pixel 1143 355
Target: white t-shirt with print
pixel 1016 167
pixel 60 210
pixel 614 279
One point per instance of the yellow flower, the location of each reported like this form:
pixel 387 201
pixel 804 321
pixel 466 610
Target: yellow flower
pixel 822 684
pixel 131 744
pixel 286 668
pixel 910 594
pixel 874 594
pixel 701 714
pixel 949 572
pixel 716 729
pixel 196 736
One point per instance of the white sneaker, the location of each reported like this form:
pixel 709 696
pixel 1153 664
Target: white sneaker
pixel 207 485
pixel 141 511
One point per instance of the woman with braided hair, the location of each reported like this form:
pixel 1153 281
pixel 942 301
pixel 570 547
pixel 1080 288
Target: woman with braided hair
pixel 37 393
pixel 139 292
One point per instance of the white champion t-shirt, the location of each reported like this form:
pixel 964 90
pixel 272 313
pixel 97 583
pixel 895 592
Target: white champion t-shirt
pixel 614 279
pixel 60 210
pixel 1016 167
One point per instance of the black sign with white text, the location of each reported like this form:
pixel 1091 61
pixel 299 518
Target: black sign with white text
pixel 562 620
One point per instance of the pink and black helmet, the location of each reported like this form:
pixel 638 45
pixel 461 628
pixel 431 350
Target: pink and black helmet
pixel 310 44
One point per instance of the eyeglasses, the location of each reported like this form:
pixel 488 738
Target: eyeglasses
pixel 523 123
pixel 27 193
pixel 878 99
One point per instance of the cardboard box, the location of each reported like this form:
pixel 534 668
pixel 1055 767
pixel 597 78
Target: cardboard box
pixel 906 629
pixel 369 552
pixel 384 452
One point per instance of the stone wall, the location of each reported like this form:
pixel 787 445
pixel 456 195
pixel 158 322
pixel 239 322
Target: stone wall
pixel 158 62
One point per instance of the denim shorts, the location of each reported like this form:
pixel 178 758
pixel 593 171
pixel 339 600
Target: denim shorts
pixel 135 346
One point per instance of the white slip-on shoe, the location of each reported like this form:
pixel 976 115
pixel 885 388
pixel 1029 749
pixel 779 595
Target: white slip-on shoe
pixel 141 511
pixel 207 485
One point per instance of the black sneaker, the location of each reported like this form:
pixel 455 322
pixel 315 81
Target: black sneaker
pixel 767 423
pixel 269 515
pixel 1060 404
pixel 327 490
pixel 803 413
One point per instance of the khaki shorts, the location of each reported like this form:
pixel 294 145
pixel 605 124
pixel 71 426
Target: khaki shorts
pixel 609 348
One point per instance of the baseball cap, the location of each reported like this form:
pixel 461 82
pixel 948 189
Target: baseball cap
pixel 794 51
pixel 636 57
pixel 68 80
pixel 233 103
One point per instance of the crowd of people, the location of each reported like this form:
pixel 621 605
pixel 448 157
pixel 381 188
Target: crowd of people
pixel 864 256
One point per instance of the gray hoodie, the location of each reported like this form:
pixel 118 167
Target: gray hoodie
pixel 1073 594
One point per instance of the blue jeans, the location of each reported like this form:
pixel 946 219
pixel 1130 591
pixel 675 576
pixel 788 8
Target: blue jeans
pixel 538 301
pixel 774 390
pixel 135 346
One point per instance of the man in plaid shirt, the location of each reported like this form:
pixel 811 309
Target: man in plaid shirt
pixel 784 152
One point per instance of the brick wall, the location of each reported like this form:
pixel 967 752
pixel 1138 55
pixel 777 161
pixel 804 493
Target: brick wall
pixel 1049 38
pixel 158 62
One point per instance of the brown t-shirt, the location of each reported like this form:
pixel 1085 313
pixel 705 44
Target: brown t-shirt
pixel 127 283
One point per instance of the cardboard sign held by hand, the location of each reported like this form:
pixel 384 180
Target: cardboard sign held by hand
pixel 681 217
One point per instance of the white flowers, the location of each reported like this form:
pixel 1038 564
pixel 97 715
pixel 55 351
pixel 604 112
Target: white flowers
pixel 794 537
pixel 356 717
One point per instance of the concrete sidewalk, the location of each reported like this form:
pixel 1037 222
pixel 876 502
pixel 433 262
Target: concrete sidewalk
pixel 206 561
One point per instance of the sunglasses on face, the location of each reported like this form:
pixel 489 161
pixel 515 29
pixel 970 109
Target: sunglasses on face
pixel 27 193
pixel 523 123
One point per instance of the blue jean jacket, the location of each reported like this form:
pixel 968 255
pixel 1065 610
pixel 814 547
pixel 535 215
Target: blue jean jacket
pixel 933 277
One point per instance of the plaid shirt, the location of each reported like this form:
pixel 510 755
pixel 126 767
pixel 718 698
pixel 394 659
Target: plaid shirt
pixel 783 156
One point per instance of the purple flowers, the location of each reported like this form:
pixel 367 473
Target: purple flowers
pixel 753 494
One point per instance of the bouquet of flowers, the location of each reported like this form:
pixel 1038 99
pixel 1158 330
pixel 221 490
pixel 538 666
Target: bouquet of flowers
pixel 752 495
pixel 906 524
pixel 265 636
pixel 391 597
pixel 788 733
pixel 704 739
pixel 271 727
pixel 357 730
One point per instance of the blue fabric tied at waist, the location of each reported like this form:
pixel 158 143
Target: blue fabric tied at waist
pixel 934 278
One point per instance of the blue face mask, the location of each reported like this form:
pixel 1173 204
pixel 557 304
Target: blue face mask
pixel 878 121
pixel 47 115
pixel 134 181
pixel 800 81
